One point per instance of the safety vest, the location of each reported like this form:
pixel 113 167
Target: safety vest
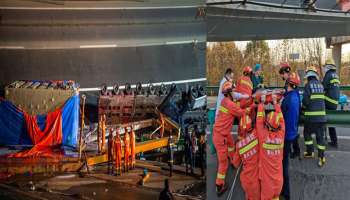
pixel 331 86
pixel 315 108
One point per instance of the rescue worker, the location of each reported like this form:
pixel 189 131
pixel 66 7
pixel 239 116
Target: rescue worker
pixel 110 151
pixel 227 77
pixel 245 86
pixel 222 138
pixel 290 109
pixel 331 87
pixel 247 152
pixel 118 153
pixel 126 151
pixel 132 148
pixel 285 72
pixel 270 131
pixel 257 77
pixel 315 115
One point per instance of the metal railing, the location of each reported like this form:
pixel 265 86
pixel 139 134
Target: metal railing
pixel 212 90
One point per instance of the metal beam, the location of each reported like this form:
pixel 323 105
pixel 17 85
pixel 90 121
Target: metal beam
pixel 251 22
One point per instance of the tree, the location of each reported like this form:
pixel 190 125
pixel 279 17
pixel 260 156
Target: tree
pixel 259 52
pixel 220 56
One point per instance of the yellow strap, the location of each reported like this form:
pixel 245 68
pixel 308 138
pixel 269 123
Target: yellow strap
pixel 315 113
pixel 220 176
pixel 333 101
pixel 321 147
pixel 248 147
pixel 317 96
pixel 260 114
pixel 310 142
pixel 247 83
pixel 335 81
pixel 272 146
pixel 223 109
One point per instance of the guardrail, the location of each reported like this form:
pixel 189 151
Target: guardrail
pixel 213 90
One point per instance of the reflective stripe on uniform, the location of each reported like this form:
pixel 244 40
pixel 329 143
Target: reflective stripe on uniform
pixel 272 146
pixel 220 176
pixel 247 83
pixel 260 114
pixel 321 147
pixel 230 149
pixel 315 113
pixel 317 96
pixel 333 101
pixel 310 142
pixel 248 147
pixel 279 116
pixel 334 81
pixel 223 109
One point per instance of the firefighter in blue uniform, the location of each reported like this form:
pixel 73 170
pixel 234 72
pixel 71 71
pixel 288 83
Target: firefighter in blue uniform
pixel 285 73
pixel 331 87
pixel 315 115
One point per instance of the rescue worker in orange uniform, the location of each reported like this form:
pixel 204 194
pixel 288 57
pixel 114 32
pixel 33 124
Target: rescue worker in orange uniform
pixel 244 85
pixel 132 148
pixel 110 151
pixel 247 152
pixel 222 138
pixel 126 151
pixel 270 131
pixel 118 153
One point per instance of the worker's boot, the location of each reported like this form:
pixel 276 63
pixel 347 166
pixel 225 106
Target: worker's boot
pixel 321 161
pixel 309 154
pixel 220 189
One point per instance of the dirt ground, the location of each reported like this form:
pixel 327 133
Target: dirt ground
pixel 100 185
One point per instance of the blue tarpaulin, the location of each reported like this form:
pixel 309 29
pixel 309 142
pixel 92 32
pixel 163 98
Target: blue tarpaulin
pixel 13 128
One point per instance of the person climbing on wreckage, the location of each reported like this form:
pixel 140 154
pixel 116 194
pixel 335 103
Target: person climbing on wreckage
pixel 222 139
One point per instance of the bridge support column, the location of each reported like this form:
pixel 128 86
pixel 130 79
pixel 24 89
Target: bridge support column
pixel 336 55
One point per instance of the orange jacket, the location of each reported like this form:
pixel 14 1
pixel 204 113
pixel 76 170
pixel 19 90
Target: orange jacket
pixel 228 110
pixel 270 155
pixel 244 86
pixel 247 152
pixel 118 151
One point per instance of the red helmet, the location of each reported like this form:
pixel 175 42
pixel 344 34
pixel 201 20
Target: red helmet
pixel 294 79
pixel 273 120
pixel 284 67
pixel 245 124
pixel 227 87
pixel 247 70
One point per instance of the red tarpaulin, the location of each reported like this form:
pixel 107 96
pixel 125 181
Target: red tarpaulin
pixel 46 140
